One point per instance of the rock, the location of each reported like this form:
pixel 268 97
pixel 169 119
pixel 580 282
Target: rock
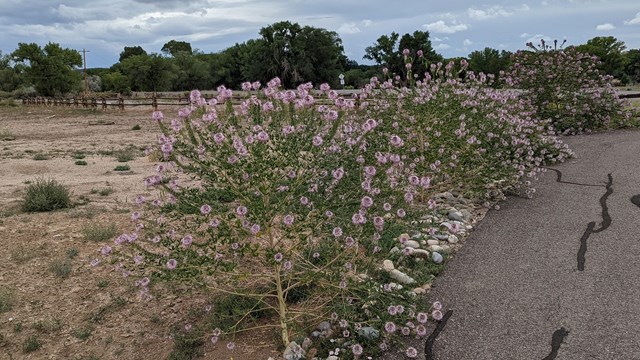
pixel 333 357
pixel 394 250
pixel 416 236
pixel 455 215
pixel 294 352
pixel 441 236
pixel 419 291
pixel 433 242
pixel 401 277
pixel 324 326
pixel 412 244
pixel 437 258
pixel 387 265
pixel 316 333
pixel 466 214
pixel 369 333
pixel 446 248
pixel 436 248
pixel 420 253
pixel 395 286
pixel 306 343
pixel 453 239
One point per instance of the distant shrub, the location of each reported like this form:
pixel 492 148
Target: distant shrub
pixel 565 87
pixel 81 162
pixel 99 232
pixel 46 195
pixel 136 127
pixel 122 168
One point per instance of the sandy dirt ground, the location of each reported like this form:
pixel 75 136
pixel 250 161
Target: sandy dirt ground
pixel 94 313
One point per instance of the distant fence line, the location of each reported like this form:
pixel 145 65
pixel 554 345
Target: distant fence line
pixel 121 102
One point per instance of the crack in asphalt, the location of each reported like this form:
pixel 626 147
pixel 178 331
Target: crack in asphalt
pixel 428 346
pixel 606 218
pixel 559 179
pixel 556 340
pixel 583 245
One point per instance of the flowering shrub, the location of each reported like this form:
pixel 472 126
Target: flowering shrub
pixel 295 198
pixel 566 87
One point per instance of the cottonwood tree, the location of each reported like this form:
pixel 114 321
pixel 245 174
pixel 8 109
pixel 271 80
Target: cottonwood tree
pixel 49 69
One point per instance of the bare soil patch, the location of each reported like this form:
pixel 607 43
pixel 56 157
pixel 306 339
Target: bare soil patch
pixel 89 313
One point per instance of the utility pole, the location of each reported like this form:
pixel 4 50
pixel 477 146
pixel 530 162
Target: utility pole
pixel 84 60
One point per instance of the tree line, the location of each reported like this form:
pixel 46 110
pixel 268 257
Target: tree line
pixel 292 52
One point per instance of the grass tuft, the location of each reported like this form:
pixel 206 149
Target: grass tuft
pixel 99 232
pixel 46 195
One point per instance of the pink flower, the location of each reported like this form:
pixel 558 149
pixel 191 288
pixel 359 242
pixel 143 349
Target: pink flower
pixel 317 140
pixel 157 116
pixel 366 202
pixel 437 305
pixel 337 231
pixel 288 220
pixel 205 209
pixel 241 211
pixel 356 349
pixel 436 315
pixel 172 264
pixel 390 327
pixel 278 257
pixel 406 52
pixel 411 352
pixel 106 250
pixel 255 228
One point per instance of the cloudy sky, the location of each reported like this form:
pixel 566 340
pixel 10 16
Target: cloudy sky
pixel 457 27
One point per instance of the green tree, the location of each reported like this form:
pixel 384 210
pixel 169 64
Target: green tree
pixel 49 69
pixel 388 52
pixel 610 52
pixel 117 82
pixel 192 72
pixel 174 47
pixel 130 51
pixel 148 72
pixel 489 61
pixel 632 65
pixel 295 54
pixel 9 75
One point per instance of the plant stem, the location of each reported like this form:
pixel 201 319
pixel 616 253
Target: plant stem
pixel 282 311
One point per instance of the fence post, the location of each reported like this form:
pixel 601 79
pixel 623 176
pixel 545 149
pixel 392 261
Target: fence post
pixel 75 102
pixel 120 102
pixel 154 101
pixel 94 103
pixel 85 104
pixel 104 103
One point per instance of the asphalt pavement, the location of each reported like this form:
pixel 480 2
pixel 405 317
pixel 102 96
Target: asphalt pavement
pixel 553 277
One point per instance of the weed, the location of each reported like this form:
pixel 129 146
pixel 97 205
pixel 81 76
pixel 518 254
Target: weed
pixel 22 253
pixel 40 157
pixel 61 268
pixel 80 162
pixel 136 127
pixel 6 135
pixel 17 327
pixel 99 315
pixel 125 155
pixel 99 232
pixel 84 332
pixel 78 156
pixel 106 191
pixel 72 253
pixel 122 168
pixel 7 299
pixel 46 195
pixel 187 345
pixel 31 344
pixel 103 283
pixel 48 326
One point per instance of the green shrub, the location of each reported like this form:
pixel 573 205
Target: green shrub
pixel 136 127
pixel 7 299
pixel 99 232
pixel 6 135
pixel 31 344
pixel 78 155
pixel 45 195
pixel 125 155
pixel 61 268
pixel 38 157
pixel 122 168
pixel 81 162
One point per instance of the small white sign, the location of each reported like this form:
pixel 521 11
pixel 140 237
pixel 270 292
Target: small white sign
pixel 341 76
pixel 341 81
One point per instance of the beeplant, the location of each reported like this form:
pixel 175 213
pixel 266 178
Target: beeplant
pixel 566 87
pixel 316 195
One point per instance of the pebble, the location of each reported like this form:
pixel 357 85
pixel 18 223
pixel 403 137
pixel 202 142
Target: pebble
pixel 436 248
pixel 453 239
pixel 420 253
pixel 395 250
pixel 369 333
pixel 294 352
pixel 441 236
pixel 437 258
pixel 419 291
pixel 324 326
pixel 455 215
pixel 387 265
pixel 401 277
pixel 433 242
pixel 412 244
